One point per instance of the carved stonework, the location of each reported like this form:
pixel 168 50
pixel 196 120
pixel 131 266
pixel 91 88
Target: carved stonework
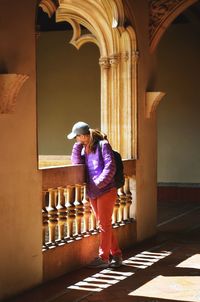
pixel 135 56
pixel 114 60
pixel 104 63
pixel 159 9
pixel 10 85
pixel 49 6
pixel 161 14
pixel 153 98
pixel 125 56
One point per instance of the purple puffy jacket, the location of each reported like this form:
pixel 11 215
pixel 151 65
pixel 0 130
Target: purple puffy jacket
pixel 100 167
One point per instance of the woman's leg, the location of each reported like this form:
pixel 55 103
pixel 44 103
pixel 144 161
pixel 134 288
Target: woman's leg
pixel 103 208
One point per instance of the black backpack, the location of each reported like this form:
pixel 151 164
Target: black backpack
pixel 119 174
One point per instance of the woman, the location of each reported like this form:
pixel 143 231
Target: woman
pixel 93 149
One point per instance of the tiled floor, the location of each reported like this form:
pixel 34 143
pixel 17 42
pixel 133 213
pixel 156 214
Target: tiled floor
pixel 165 268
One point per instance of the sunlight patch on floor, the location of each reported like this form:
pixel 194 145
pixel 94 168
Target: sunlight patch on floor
pixel 191 262
pixel 145 259
pixel 101 280
pixel 109 277
pixel 184 288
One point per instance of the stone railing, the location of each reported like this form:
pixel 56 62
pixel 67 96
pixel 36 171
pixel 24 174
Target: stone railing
pixel 68 217
pixel 67 214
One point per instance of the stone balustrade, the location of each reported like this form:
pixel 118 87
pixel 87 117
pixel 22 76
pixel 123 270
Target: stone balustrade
pixel 67 213
pixel 70 230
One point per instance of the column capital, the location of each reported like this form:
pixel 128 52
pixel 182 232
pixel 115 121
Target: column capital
pixel 135 55
pixel 125 56
pixel 104 62
pixel 114 59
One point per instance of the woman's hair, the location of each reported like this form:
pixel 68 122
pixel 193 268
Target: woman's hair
pixel 95 136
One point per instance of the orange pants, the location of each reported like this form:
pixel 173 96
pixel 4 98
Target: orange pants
pixel 103 209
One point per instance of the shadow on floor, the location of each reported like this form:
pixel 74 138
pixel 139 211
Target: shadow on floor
pixel 165 268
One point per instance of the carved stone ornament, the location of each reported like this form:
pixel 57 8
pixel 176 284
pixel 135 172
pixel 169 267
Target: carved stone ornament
pixel 104 63
pixel 161 15
pixel 153 98
pixel 114 60
pixel 49 6
pixel 159 9
pixel 10 85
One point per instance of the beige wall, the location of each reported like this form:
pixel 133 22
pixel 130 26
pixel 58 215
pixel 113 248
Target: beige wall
pixel 20 182
pixel 68 89
pixel 178 113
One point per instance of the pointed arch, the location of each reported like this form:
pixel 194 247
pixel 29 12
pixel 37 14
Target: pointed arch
pixel 162 14
pixel 105 21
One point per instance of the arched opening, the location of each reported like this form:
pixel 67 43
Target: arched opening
pixel 118 64
pixel 68 88
pixel 178 118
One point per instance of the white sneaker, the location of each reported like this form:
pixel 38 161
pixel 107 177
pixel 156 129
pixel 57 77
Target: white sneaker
pixel 99 263
pixel 116 262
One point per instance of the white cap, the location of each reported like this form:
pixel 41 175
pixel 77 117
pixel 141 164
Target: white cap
pixel 78 129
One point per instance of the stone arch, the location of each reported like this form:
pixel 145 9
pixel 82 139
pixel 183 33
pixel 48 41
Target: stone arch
pixel 162 13
pixel 105 24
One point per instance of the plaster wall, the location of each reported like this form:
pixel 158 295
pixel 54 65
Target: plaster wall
pixel 20 182
pixel 178 114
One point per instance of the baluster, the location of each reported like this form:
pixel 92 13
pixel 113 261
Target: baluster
pixel 93 226
pixel 53 216
pixel 69 203
pixel 116 212
pixel 44 220
pixel 78 208
pixel 128 197
pixel 62 214
pixel 87 211
pixel 66 196
pixel 122 199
